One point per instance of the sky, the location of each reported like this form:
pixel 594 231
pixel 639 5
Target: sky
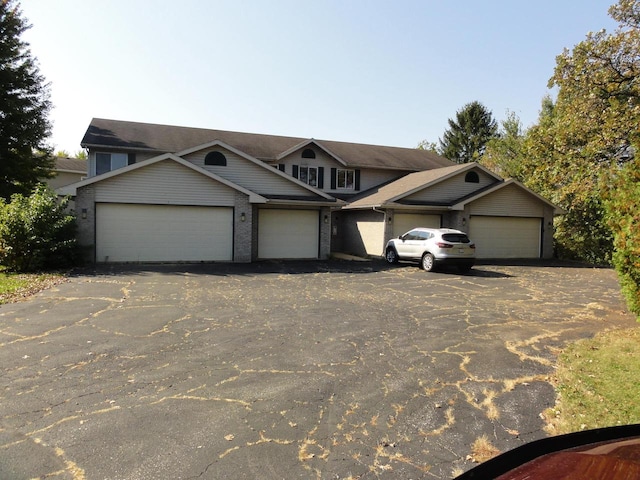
pixel 363 71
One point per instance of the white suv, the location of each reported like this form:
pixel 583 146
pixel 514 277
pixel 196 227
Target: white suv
pixel 433 247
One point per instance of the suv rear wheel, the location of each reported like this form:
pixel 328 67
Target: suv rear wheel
pixel 428 262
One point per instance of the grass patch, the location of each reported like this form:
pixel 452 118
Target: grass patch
pixel 17 286
pixel 482 450
pixel 598 383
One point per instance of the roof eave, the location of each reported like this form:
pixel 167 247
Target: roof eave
pixel 396 206
pixel 95 146
pixel 315 203
pixel 255 161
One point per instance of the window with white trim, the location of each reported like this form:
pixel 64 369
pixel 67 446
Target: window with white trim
pixel 308 175
pixel 105 162
pixel 345 179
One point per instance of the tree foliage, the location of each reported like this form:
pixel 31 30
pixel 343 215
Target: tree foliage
pixel 467 136
pixel 36 232
pixel 622 204
pixel 504 152
pixel 80 154
pixel 25 157
pixel 428 146
pixel 587 132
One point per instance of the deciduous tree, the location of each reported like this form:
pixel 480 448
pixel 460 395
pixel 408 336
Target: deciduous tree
pixel 622 206
pixel 428 146
pixel 588 132
pixel 37 232
pixel 504 152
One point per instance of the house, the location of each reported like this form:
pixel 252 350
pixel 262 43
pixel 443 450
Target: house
pixel 67 171
pixel 166 193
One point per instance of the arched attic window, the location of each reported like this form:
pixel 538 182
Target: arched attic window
pixel 472 177
pixel 308 153
pixel 215 158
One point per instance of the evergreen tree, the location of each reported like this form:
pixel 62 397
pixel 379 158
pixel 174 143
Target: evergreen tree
pixel 25 156
pixel 467 136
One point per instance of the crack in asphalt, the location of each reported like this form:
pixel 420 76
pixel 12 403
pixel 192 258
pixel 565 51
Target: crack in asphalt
pixel 328 374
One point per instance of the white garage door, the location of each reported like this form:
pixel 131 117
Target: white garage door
pixel 506 237
pixel 163 233
pixel 288 233
pixel 403 222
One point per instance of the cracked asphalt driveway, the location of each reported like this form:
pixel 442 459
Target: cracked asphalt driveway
pixel 325 370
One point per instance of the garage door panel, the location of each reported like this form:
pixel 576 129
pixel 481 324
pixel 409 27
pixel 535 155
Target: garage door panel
pixel 403 222
pixel 288 233
pixel 163 233
pixel 506 237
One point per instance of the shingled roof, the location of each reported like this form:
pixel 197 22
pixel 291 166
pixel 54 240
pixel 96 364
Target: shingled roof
pixel 72 165
pixel 103 133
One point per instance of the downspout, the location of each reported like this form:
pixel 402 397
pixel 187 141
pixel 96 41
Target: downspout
pixel 380 211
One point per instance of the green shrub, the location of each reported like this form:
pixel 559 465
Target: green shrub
pixel 623 215
pixel 36 232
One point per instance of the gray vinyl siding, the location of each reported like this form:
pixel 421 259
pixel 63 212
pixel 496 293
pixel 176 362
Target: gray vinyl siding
pixel 91 165
pixel 247 174
pixel 510 201
pixel 369 178
pixel 165 182
pixel 64 178
pixel 451 189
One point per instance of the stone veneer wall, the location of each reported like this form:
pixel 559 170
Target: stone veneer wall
pixel 86 219
pixel 242 230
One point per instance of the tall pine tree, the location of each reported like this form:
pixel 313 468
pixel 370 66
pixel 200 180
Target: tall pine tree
pixel 467 136
pixel 25 156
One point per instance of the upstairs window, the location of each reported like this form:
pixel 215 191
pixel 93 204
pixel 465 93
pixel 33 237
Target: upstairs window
pixel 313 176
pixel 309 175
pixel 345 179
pixel 105 162
pixel 472 177
pixel 215 158
pixel 308 153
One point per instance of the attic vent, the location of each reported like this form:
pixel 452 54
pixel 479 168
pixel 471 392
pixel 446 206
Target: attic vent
pixel 215 158
pixel 308 153
pixel 472 177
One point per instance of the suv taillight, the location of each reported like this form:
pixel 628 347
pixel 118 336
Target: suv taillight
pixel 444 245
pixel 473 245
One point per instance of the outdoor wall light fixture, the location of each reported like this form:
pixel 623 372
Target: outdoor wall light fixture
pixel 243 217
pixel 464 221
pixel 84 213
pixel 326 219
pixel 389 219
